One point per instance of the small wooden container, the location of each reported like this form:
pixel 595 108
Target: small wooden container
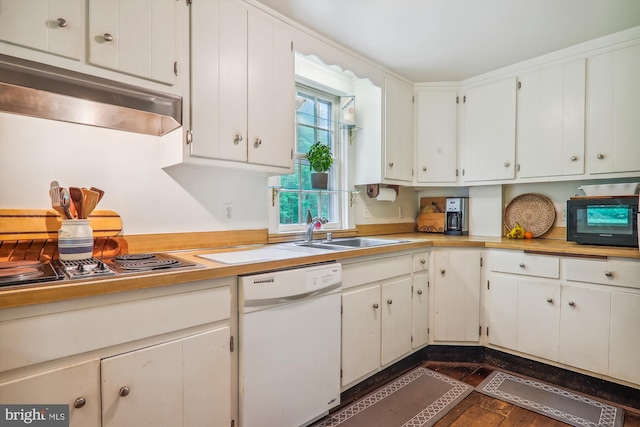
pixel 431 218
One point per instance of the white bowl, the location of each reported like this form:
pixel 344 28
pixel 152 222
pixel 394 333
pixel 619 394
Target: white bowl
pixel 622 189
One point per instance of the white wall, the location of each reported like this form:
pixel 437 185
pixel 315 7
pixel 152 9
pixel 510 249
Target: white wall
pixel 128 167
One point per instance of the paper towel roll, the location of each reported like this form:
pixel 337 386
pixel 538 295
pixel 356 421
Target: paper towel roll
pixel 386 195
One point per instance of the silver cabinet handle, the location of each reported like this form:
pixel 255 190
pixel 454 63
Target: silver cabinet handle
pixel 572 304
pixel 236 139
pixel 442 271
pixel 550 300
pixel 107 37
pixel 600 156
pixel 573 158
pixel 257 143
pixel 79 402
pixel 124 391
pixel 375 305
pixel 424 169
pixel 423 261
pixel 608 273
pixel 389 301
pixel 419 291
pixel 507 164
pixel 61 22
pixel 390 164
pixel 521 265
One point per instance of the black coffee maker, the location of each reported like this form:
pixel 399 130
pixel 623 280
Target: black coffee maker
pixel 457 216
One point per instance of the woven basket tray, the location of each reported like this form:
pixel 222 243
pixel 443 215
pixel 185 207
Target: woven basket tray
pixel 534 212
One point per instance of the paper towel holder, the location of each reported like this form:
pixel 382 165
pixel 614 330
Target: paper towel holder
pixel 374 189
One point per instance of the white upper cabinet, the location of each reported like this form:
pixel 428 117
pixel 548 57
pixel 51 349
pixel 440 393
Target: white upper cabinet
pixel 550 127
pixel 242 86
pixel 54 26
pixel 489 131
pixel 436 135
pixel 398 135
pixel 613 111
pixel 136 37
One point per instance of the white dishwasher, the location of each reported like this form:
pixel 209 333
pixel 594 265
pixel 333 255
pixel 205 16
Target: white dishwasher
pixel 289 345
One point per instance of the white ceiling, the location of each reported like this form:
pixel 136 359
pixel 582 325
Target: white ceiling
pixel 451 40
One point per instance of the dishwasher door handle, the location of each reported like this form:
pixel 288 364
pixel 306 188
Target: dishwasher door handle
pixel 259 302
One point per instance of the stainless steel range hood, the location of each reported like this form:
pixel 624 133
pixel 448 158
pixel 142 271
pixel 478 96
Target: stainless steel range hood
pixel 39 90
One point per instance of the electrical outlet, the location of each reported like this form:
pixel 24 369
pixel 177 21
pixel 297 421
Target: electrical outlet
pixel 399 211
pixel 564 214
pixel 366 212
pixel 228 212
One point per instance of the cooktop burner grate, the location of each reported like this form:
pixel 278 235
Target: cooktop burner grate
pixel 151 264
pixel 27 272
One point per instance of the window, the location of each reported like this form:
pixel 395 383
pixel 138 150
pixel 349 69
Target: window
pixel 315 121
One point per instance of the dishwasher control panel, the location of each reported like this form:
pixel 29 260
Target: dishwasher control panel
pixel 323 278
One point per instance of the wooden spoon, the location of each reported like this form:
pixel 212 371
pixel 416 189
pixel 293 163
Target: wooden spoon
pixel 99 191
pixel 78 199
pixel 89 202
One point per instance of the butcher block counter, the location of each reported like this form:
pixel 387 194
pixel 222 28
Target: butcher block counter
pixel 63 290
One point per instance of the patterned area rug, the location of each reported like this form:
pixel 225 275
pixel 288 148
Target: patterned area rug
pixel 417 399
pixel 553 402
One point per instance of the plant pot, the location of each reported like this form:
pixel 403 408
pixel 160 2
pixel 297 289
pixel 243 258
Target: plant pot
pixel 319 180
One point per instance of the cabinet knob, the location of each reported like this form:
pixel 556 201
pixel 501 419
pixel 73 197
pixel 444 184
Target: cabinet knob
pixel 507 164
pixel 61 22
pixel 550 300
pixel 423 261
pixel 124 391
pixel 521 265
pixel 419 291
pixel 375 305
pixel 389 301
pixel 390 164
pixel 572 304
pixel 573 158
pixel 442 271
pixel 236 139
pixel 600 156
pixel 107 37
pixel 608 273
pixel 424 169
pixel 79 402
pixel 257 143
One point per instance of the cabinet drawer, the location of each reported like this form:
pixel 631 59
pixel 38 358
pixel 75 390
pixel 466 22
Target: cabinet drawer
pixel 372 271
pixel 525 264
pixel 421 261
pixel 36 339
pixel 606 272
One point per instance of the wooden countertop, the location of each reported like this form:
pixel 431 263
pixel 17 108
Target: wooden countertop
pixel 59 291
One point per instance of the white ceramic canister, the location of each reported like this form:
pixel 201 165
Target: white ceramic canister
pixel 75 240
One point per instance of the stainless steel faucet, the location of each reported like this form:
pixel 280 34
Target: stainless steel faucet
pixel 312 225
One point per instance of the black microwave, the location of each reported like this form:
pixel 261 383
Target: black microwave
pixel 611 221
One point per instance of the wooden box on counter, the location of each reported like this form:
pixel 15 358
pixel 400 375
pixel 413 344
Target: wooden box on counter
pixel 431 217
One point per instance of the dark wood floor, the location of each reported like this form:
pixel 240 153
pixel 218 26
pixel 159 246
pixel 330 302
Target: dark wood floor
pixel 483 411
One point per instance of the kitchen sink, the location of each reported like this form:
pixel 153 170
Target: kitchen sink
pixel 349 243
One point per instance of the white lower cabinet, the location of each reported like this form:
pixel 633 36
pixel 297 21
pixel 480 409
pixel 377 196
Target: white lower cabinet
pixel 624 341
pixel 396 319
pixel 502 293
pixel 456 295
pixel 76 385
pixel 538 318
pixel 420 336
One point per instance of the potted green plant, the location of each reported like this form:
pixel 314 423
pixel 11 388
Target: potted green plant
pixel 320 161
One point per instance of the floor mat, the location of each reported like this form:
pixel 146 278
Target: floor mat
pixel 417 399
pixel 553 402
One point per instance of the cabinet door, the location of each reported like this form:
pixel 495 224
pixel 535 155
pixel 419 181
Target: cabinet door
pixel 584 328
pixel 613 128
pixel 502 294
pixel 436 140
pixel 398 141
pixel 54 26
pixel 456 296
pixel 538 318
pixel 206 371
pixel 143 387
pixel 134 36
pixel 551 104
pixel 624 362
pixel 396 319
pixel 77 386
pixel 420 310
pixel 490 131
pixel 219 80
pixel 361 315
pixel 271 92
